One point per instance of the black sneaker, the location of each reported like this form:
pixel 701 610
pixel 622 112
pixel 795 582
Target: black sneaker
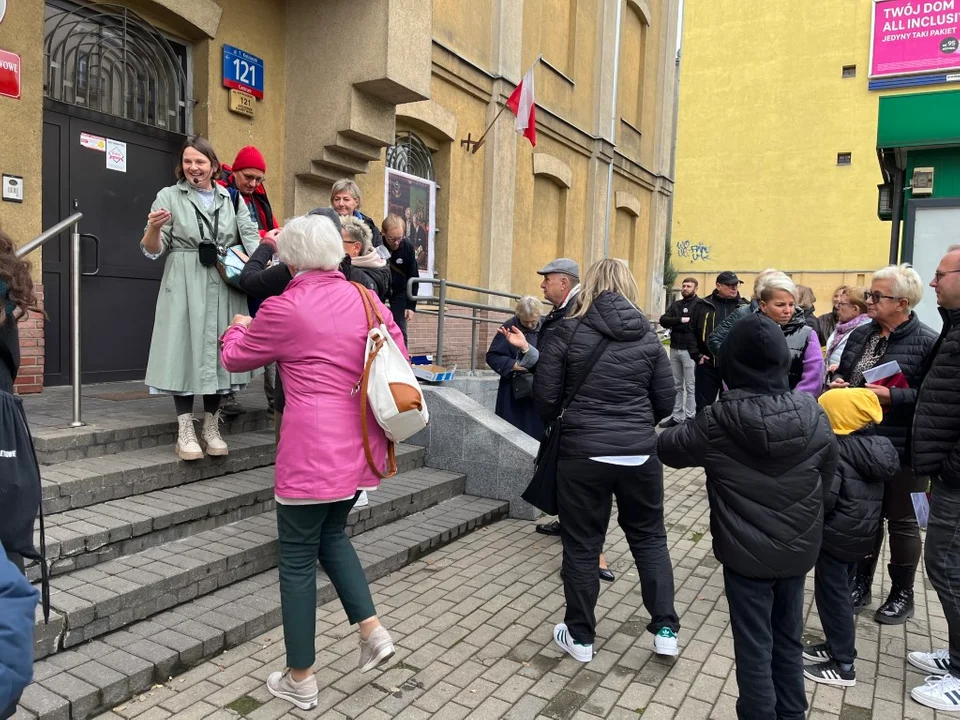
pixel 668 423
pixel 230 406
pixel 818 653
pixel 830 673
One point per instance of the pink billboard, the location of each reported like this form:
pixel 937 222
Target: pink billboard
pixel 911 37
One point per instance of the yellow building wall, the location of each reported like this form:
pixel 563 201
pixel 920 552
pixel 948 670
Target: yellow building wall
pixel 466 28
pixel 761 123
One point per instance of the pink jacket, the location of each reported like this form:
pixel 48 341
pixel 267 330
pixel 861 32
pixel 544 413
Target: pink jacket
pixel 316 332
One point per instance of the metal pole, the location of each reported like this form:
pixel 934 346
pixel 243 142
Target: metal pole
pixel 441 311
pixel 898 183
pixel 75 322
pixel 474 339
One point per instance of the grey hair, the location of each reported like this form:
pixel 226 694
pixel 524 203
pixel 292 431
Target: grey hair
pixel 529 307
pixel 359 232
pixel 776 282
pixel 346 185
pixel 758 281
pixel 906 282
pixel 310 242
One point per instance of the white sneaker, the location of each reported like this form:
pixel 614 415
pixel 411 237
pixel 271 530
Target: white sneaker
pixel 303 694
pixel 563 638
pixel 936 662
pixel 187 447
pixel 211 435
pixel 363 500
pixel 940 693
pixel 375 649
pixel 666 642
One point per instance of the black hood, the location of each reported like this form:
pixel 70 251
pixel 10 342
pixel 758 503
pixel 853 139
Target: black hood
pixel 615 317
pixel 755 356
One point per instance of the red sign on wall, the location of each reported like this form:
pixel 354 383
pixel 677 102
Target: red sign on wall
pixel 9 74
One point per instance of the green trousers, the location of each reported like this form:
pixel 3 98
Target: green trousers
pixel 308 533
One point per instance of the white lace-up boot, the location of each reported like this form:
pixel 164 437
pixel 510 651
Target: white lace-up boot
pixel 187 446
pixel 211 435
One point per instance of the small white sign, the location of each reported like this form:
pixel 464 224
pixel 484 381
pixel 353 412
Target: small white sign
pixel 116 155
pixel 13 188
pixel 93 142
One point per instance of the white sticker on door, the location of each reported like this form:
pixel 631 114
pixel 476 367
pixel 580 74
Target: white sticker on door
pixel 116 155
pixel 93 142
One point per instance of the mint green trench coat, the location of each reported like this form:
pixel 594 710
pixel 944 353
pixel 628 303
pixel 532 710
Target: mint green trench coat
pixel 195 306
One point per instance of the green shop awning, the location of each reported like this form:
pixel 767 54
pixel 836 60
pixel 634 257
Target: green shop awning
pixel 920 120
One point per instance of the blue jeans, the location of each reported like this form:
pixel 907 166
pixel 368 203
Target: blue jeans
pixel 684 369
pixel 942 559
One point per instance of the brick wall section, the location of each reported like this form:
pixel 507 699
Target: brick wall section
pixel 422 337
pixel 30 377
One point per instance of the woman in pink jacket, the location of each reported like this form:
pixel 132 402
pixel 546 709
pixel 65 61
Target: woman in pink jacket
pixel 316 333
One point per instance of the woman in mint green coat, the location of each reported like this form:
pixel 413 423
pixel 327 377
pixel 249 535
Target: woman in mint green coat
pixel 195 305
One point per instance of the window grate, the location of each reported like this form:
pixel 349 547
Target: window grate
pixel 849 71
pixel 410 154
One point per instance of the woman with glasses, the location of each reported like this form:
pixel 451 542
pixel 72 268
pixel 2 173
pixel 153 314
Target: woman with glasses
pixel 894 333
pixel 851 308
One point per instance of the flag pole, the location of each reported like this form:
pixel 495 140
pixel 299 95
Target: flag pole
pixel 479 141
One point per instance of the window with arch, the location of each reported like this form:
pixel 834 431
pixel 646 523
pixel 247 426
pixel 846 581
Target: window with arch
pixel 108 59
pixel 633 50
pixel 411 155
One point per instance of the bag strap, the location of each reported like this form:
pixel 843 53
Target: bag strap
pixel 391 470
pixel 598 351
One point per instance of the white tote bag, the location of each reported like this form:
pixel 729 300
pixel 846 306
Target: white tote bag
pixel 389 387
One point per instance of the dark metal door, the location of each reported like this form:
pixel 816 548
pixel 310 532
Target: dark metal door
pixel 120 286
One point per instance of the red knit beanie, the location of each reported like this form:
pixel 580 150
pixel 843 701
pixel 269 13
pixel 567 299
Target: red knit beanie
pixel 249 157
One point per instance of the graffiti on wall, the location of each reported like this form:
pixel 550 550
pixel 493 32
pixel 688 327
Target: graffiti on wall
pixel 695 252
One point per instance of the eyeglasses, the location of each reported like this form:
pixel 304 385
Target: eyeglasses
pixel 253 179
pixel 939 274
pixel 876 297
pixel 846 304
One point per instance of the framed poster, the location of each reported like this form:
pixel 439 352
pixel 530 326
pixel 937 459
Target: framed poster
pixel 415 200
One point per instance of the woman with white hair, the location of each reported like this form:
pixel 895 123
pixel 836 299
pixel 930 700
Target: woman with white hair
pixel 515 393
pixel 316 332
pixel 367 267
pixel 777 299
pixel 345 199
pixel 894 335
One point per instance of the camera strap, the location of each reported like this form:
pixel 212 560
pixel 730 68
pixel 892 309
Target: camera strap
pixel 214 229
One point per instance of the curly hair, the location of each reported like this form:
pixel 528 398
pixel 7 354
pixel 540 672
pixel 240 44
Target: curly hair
pixel 16 285
pixel 359 232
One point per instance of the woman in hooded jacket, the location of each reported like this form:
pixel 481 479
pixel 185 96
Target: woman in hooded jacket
pixel 608 448
pixel 367 266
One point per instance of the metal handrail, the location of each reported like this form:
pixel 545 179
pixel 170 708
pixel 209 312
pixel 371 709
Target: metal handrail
pixel 72 221
pixel 441 301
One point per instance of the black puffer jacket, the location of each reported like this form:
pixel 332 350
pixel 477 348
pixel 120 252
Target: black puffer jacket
pixel 910 345
pixel 855 497
pixel 628 391
pixel 376 279
pixel 681 333
pixel 936 425
pixel 766 451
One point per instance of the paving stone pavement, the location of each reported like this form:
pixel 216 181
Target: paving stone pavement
pixel 472 622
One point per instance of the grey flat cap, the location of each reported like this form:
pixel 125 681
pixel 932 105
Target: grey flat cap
pixel 561 265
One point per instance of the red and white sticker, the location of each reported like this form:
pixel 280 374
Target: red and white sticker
pixel 93 142
pixel 116 155
pixel 9 74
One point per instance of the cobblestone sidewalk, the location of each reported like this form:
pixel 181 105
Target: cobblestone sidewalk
pixel 473 624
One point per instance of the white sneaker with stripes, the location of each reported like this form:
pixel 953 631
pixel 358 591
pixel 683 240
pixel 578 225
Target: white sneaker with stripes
pixel 936 662
pixel 830 673
pixel 563 638
pixel 940 693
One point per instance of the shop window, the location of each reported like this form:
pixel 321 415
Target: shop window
pixel 844 158
pixel 849 71
pixel 108 59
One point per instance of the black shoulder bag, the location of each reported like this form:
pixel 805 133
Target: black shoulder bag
pixel 542 490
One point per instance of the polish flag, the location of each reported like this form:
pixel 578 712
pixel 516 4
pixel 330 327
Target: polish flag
pixel 522 104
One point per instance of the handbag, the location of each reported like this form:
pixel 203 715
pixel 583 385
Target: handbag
pixel 542 490
pixel 521 384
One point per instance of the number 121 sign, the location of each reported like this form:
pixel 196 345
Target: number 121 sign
pixel 242 71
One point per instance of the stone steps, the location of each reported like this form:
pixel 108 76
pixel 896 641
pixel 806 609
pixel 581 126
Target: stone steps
pixel 82 537
pixel 97 675
pixel 91 602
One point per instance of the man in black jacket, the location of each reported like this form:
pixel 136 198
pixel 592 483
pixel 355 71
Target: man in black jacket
pixel 708 314
pixel 768 454
pixel 683 345
pixel 403 266
pixel 936 452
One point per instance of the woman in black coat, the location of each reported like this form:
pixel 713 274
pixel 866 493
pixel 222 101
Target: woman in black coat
pixel 515 392
pixel 895 334
pixel 607 373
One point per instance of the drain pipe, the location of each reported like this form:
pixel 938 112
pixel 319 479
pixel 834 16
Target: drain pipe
pixel 613 130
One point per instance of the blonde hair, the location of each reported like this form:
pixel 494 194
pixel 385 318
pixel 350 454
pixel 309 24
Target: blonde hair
pixel 346 185
pixel 358 231
pixel 529 308
pixel 392 221
pixel 607 275
pixel 311 242
pixel 805 297
pixel 855 296
pixel 777 282
pixel 906 282
pixel 759 280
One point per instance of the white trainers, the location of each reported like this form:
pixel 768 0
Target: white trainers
pixel 187 447
pixel 363 500
pixel 211 435
pixel 375 649
pixel 303 694
pixel 563 638
pixel 666 642
pixel 940 693
pixel 936 662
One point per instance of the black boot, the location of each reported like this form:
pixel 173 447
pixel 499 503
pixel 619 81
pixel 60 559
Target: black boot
pixel 862 594
pixel 899 605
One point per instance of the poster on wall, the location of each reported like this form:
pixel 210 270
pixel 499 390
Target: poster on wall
pixel 415 200
pixel 913 37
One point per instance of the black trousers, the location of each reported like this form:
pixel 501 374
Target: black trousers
pixel 832 588
pixel 708 385
pixel 585 491
pixel 399 317
pixel 766 617
pixel 906 546
pixel 942 559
